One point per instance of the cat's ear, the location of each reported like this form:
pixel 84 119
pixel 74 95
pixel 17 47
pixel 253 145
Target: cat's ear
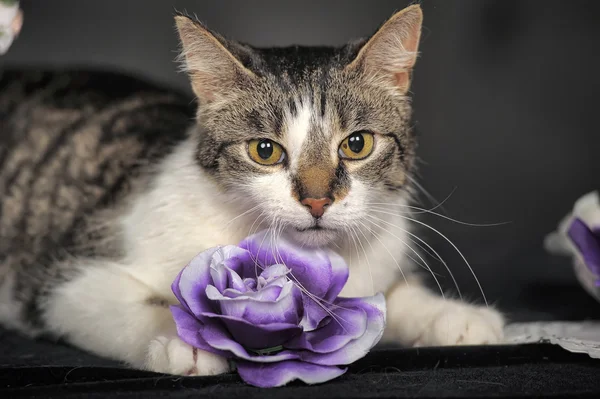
pixel 390 54
pixel 213 70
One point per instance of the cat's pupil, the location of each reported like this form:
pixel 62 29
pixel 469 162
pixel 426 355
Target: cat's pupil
pixel 356 142
pixel 265 149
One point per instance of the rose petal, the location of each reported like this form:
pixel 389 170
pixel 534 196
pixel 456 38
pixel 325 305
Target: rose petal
pixel 587 243
pixel 189 329
pixel 315 310
pixel 218 274
pixel 250 283
pixel 272 304
pixel 311 268
pixel 218 338
pixel 237 260
pixel 274 271
pixel 346 324
pixel 339 275
pixel 256 336
pixel 281 373
pixel 231 293
pixel 234 280
pixel 287 308
pixel 267 294
pixel 375 309
pixel 190 284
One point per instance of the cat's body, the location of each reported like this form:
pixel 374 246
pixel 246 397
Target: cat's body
pixel 104 199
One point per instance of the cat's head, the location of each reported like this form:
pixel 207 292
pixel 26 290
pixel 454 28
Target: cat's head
pixel 306 137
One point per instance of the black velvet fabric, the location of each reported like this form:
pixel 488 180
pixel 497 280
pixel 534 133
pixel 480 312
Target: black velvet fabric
pixel 455 372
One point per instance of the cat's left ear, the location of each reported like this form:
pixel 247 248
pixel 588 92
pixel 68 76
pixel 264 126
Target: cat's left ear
pixel 390 54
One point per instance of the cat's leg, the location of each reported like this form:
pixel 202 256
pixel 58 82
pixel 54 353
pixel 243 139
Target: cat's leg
pixel 418 317
pixel 106 310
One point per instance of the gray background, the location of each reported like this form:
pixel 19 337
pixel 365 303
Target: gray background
pixel 506 97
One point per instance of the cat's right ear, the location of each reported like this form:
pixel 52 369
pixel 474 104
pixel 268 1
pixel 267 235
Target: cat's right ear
pixel 213 70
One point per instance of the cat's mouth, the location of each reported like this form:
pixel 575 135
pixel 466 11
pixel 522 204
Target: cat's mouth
pixel 315 227
pixel 313 236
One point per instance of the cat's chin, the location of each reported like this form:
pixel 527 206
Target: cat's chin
pixel 313 237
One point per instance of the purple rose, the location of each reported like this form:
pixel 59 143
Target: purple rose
pixel 578 235
pixel 275 310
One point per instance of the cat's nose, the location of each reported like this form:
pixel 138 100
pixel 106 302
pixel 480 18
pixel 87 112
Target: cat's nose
pixel 315 206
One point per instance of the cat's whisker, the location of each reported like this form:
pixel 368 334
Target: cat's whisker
pixel 417 254
pixel 381 206
pixel 437 256
pixel 251 210
pixel 421 210
pixel 250 233
pixel 366 256
pixel 351 235
pixel 431 198
pixel 453 246
pixel 416 261
pixel 388 251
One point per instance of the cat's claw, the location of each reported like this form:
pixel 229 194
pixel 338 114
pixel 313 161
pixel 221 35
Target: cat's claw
pixel 463 325
pixel 171 355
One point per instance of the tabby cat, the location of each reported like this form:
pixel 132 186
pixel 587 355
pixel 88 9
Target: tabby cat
pixel 108 188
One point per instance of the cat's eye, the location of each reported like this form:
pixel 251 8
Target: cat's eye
pixel 265 152
pixel 357 146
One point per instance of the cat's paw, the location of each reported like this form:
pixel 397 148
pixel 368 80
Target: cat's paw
pixel 460 324
pixel 173 356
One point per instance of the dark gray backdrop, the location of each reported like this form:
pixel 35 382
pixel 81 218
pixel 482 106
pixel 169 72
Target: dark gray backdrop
pixel 505 96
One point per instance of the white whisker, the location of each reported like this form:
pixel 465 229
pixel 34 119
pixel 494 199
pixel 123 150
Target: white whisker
pixel 451 243
pixel 380 206
pixel 428 246
pixel 366 257
pixel 388 251
pixel 417 254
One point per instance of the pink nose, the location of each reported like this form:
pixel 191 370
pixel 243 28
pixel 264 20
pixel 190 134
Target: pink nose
pixel 316 206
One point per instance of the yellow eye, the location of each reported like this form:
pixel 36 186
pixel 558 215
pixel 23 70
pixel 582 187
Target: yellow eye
pixel 358 145
pixel 265 152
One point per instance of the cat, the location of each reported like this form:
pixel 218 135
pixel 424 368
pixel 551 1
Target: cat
pixel 109 188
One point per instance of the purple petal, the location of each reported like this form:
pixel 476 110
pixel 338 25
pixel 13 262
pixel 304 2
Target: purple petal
pixel 231 293
pixel 218 338
pixel 311 268
pixel 315 310
pixel 189 329
pixel 234 280
pixel 274 271
pixel 250 283
pixel 189 286
pixel 257 336
pixel 588 244
pixel 279 374
pixel 218 274
pixel 375 309
pixel 345 325
pixel 267 294
pixel 287 308
pixel 339 275
pixel 238 259
pixel 272 304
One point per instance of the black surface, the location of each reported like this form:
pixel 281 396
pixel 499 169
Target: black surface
pixel 473 372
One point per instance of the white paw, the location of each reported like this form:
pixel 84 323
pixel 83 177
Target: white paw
pixel 460 324
pixel 173 356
